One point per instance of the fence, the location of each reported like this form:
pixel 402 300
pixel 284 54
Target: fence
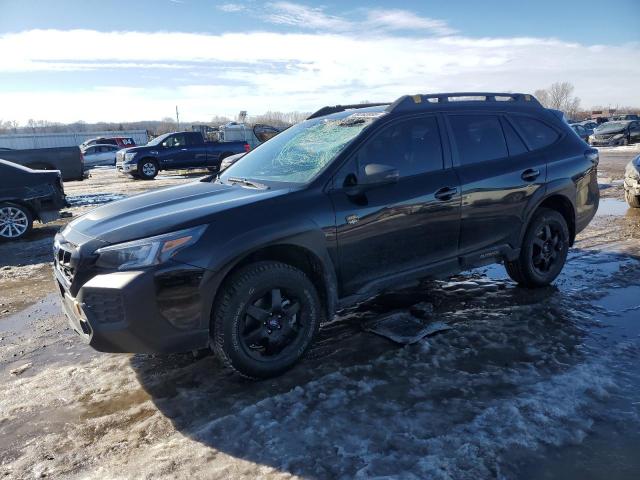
pixel 23 141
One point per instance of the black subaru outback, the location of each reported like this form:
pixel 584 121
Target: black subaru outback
pixel 352 200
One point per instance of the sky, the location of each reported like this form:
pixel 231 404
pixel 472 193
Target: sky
pixel 91 60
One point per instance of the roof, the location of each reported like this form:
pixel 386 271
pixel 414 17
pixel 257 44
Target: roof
pixel 421 102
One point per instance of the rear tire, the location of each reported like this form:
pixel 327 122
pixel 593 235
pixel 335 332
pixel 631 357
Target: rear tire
pixel 265 318
pixel 543 251
pixel 16 221
pixel 148 169
pixel 632 200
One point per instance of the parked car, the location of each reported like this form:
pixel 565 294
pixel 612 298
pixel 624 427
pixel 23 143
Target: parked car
pixel 616 133
pixel 589 124
pixel 626 116
pixel 175 151
pixel 97 155
pixel 68 160
pixel 582 132
pixel 27 195
pixel 632 182
pixel 334 209
pixel 120 142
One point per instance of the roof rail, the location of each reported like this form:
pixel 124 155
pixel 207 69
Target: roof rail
pixel 328 110
pixel 413 102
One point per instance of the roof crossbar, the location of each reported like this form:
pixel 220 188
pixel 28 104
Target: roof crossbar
pixel 328 110
pixel 412 102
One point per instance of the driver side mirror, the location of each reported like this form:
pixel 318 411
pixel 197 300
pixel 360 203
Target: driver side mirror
pixel 375 175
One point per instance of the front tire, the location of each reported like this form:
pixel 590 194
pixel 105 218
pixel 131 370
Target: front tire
pixel 16 221
pixel 148 169
pixel 632 200
pixel 543 252
pixel 265 318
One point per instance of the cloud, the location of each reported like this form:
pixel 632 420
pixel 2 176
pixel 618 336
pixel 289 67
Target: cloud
pixel 405 20
pixel 231 7
pixel 293 14
pixel 262 71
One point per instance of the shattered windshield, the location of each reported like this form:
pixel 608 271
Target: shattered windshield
pixel 298 154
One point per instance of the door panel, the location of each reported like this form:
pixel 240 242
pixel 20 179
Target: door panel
pixel 495 192
pixel 397 227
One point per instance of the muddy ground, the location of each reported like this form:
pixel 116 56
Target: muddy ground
pixel 526 384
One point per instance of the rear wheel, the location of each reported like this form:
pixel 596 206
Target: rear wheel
pixel 543 252
pixel 147 169
pixel 632 200
pixel 265 319
pixel 15 221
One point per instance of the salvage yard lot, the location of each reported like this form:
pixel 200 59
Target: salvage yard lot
pixel 525 384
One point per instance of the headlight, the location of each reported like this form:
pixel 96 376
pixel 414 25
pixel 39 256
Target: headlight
pixel 147 251
pixel 129 156
pixel 592 137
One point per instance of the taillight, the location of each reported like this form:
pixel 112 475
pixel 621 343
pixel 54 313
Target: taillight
pixel 247 147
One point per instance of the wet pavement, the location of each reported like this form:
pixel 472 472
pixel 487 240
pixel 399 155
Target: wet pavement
pixel 526 384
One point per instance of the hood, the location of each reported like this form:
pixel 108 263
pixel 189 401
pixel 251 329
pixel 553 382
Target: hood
pixel 139 148
pixel 164 211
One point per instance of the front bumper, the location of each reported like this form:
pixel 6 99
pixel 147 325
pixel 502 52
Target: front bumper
pixel 609 142
pixel 138 311
pixel 126 168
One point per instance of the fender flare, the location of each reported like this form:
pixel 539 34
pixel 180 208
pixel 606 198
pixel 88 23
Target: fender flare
pixel 564 188
pixel 306 236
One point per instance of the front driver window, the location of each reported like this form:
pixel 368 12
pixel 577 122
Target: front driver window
pixel 411 146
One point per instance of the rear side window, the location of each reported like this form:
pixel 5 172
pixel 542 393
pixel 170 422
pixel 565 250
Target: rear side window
pixel 478 138
pixel 537 134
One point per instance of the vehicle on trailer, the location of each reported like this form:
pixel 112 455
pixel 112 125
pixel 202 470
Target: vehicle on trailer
pixel 353 200
pixel 632 182
pixel 120 142
pixel 100 155
pixel 175 151
pixel 28 195
pixel 615 133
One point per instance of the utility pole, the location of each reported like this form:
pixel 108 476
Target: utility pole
pixel 177 118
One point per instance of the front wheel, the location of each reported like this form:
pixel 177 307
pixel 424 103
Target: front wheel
pixel 148 169
pixel 15 221
pixel 265 318
pixel 543 252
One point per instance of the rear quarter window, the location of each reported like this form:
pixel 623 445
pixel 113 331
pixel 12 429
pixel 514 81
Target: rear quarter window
pixel 536 133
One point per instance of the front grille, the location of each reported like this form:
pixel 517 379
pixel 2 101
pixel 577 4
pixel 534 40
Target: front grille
pixel 104 307
pixel 62 260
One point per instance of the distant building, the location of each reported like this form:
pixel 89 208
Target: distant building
pixel 604 113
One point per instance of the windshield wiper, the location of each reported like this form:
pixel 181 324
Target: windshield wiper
pixel 247 183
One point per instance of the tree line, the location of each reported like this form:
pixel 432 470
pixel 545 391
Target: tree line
pixel 559 96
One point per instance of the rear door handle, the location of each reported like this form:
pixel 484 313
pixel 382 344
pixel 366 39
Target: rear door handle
pixel 445 193
pixel 184 149
pixel 530 174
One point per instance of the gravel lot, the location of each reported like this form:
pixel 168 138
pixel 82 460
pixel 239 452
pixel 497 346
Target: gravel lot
pixel 526 384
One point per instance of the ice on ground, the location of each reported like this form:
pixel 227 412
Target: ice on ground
pixel 93 199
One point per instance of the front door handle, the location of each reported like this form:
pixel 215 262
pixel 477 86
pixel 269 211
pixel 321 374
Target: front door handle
pixel 184 149
pixel 445 193
pixel 530 174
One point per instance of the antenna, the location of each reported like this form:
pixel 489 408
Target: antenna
pixel 177 118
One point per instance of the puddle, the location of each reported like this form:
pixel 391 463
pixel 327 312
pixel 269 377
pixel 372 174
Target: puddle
pixel 622 311
pixel 612 206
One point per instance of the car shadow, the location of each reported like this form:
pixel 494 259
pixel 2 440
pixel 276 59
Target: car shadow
pixel 36 247
pixel 360 404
